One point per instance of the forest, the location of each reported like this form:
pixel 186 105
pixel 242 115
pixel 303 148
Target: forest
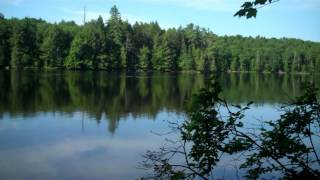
pixel 115 44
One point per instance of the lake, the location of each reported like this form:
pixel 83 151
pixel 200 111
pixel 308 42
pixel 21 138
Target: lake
pixel 97 125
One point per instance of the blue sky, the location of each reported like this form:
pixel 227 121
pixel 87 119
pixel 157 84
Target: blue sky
pixel 286 18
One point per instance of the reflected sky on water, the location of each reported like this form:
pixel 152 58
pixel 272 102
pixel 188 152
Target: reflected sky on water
pixel 97 125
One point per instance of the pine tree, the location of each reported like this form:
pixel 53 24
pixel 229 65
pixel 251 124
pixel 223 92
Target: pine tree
pixel 115 33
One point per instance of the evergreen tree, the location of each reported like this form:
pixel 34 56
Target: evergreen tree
pixel 118 45
pixel 116 36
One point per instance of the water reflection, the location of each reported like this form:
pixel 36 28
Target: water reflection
pixel 53 124
pixel 25 93
pixel 54 147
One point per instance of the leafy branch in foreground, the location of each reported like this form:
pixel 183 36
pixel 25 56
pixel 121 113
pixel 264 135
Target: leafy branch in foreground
pixel 205 137
pixel 291 146
pixel 249 9
pixel 287 147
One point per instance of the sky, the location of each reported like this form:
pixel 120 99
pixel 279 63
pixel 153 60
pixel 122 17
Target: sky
pixel 286 18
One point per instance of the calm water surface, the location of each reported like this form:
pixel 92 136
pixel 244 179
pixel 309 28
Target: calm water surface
pixel 97 125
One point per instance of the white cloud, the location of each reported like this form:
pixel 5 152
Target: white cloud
pixel 93 154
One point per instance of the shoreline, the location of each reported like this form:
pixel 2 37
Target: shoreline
pixel 158 71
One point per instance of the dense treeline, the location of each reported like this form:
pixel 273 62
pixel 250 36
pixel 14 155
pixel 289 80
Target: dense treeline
pixel 117 45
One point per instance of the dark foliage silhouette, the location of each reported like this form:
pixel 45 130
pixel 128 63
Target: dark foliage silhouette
pixel 287 147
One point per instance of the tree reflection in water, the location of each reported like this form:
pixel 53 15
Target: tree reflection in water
pixel 117 95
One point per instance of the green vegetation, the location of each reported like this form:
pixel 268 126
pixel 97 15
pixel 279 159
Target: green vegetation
pixel 286 148
pixel 117 45
pixel 249 8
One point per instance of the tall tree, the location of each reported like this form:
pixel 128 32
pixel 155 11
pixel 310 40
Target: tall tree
pixel 116 36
